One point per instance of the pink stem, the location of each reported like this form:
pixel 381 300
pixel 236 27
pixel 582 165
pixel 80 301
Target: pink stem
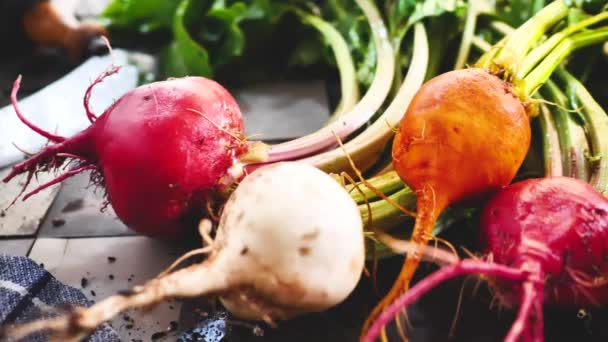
pixel 461 268
pixel 59 179
pixel 87 95
pixel 50 136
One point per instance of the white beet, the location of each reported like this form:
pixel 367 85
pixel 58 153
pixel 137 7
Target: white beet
pixel 290 241
pixel 294 238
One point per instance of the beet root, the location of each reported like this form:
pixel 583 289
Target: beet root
pixel 161 151
pixel 547 239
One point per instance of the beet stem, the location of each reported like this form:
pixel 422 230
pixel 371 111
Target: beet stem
pixel 50 136
pixel 59 179
pixel 459 269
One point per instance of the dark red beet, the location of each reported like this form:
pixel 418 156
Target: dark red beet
pixel 562 223
pixel 162 150
pixel 547 240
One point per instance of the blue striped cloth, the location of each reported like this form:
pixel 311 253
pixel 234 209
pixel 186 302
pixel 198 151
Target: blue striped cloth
pixel 28 292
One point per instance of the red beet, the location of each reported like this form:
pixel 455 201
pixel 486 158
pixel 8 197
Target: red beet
pixel 161 151
pixel 548 242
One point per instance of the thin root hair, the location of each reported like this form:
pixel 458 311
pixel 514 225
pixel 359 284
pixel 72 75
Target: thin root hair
pixel 579 109
pixel 445 243
pixel 28 154
pixel 400 327
pixel 393 128
pixel 452 330
pixel 585 280
pixel 59 179
pixel 240 140
pixel 111 70
pixel 369 225
pixel 367 184
pixel 184 257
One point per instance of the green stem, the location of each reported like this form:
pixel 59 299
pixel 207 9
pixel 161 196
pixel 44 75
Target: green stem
pixel 481 44
pixel 349 123
pixel 502 28
pixel 384 215
pixel 538 53
pixel 486 60
pixel 596 121
pixel 551 92
pixel 367 146
pixel 346 67
pixel 519 43
pixel 398 78
pixel 551 149
pixel 543 71
pixel 571 135
pixel 579 155
pixel 387 183
pixel 467 35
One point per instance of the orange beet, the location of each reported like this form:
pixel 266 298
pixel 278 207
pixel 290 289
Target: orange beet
pixel 464 136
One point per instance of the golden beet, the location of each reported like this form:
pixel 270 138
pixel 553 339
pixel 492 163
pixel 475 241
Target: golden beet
pixel 464 135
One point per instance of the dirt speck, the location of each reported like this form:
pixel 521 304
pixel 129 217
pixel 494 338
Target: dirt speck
pixel 2 213
pixel 84 282
pixel 173 326
pixel 57 222
pixel 74 205
pixel 239 217
pixel 93 293
pixel 311 235
pixel 111 276
pixel 245 250
pixel 111 259
pixel 304 251
pixel 158 335
pixel 128 292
